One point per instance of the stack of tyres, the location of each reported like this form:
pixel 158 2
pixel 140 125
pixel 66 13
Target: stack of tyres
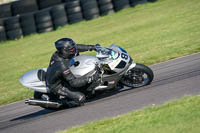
pixel 136 2
pixel 120 4
pixel 5 10
pixel 48 3
pixel 59 16
pixel 106 7
pixel 2 31
pixel 43 21
pixel 28 24
pixel 74 11
pixel 151 0
pixel 90 9
pixel 13 28
pixel 23 6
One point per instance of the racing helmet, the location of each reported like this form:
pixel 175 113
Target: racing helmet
pixel 66 48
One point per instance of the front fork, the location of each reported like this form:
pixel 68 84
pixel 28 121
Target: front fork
pixel 133 64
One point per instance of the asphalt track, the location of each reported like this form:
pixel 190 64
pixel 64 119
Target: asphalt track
pixel 173 79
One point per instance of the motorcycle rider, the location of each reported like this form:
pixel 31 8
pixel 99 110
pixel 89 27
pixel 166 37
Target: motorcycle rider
pixel 60 79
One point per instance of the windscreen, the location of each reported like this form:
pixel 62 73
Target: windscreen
pixel 104 52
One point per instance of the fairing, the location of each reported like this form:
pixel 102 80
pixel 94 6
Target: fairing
pixel 31 80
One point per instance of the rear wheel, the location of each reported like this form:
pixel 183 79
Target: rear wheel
pixel 46 97
pixel 37 95
pixel 139 76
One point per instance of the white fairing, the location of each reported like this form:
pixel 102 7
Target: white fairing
pixel 87 64
pixel 30 80
pixel 114 63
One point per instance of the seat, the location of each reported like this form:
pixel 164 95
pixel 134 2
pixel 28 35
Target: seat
pixel 41 75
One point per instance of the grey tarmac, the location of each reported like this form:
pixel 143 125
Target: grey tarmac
pixel 173 79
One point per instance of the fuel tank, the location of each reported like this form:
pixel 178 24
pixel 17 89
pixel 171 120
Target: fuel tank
pixel 83 64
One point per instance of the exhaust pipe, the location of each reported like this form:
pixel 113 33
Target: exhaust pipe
pixel 100 87
pixel 44 104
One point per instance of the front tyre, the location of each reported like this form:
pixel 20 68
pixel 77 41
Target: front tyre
pixel 138 76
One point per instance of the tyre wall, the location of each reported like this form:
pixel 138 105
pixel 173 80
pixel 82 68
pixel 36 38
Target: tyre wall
pixel 26 17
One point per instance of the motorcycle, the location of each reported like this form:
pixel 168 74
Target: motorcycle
pixel 114 64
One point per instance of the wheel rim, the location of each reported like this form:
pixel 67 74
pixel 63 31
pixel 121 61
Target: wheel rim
pixel 136 78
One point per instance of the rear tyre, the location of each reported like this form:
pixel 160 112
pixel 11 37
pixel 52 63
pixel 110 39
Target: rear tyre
pixel 139 76
pixel 37 95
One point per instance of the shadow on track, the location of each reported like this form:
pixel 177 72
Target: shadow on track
pixel 24 119
pixel 34 115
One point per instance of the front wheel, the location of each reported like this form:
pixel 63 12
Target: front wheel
pixel 138 76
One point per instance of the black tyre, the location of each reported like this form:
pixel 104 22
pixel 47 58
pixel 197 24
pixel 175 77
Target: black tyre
pixel 91 16
pixel 91 12
pixel 60 14
pixel 11 20
pixel 37 95
pixel 74 10
pixel 24 6
pixel 2 29
pixel 86 1
pixel 27 23
pixel 45 30
pixel 107 12
pixel 12 26
pixel 12 23
pixel 27 20
pixel 60 22
pixel 136 2
pixel 74 18
pixel 56 26
pixel 42 16
pixel 58 11
pixel 2 34
pixel 121 4
pixel 24 10
pixel 56 8
pixel 44 25
pixel 29 30
pixel 103 2
pixel 22 3
pixel 72 3
pixel 1 22
pixel 139 76
pixel 48 3
pixel 14 34
pixel 89 4
pixel 5 10
pixel 106 7
pixel 151 0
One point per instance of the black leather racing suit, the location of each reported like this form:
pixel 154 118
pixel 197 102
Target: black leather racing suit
pixel 58 74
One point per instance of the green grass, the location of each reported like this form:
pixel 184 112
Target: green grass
pixel 181 116
pixel 151 33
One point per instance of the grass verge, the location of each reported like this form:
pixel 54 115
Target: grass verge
pixel 180 116
pixel 151 33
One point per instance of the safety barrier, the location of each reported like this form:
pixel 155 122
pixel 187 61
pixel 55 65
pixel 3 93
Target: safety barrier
pixel 25 17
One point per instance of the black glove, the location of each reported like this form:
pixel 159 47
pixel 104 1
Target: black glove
pixel 94 77
pixel 93 47
pixel 97 45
